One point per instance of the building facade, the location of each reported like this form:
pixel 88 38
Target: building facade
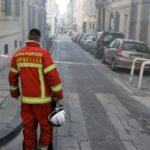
pixel 75 15
pixel 51 22
pixel 117 16
pixel 80 16
pixel 100 11
pixel 142 21
pixel 89 16
pixel 9 26
pixel 17 17
pixel 33 15
pixel 132 17
pixel 69 14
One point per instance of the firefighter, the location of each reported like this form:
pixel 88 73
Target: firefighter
pixel 39 81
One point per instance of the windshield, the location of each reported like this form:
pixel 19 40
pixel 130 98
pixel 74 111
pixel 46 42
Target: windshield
pixel 117 35
pixel 109 37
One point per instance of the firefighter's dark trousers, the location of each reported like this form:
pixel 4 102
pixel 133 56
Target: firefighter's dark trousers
pixel 32 115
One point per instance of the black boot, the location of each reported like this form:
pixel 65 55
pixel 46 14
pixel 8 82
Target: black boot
pixel 50 147
pixel 23 146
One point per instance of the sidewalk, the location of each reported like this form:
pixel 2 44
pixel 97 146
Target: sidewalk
pixel 10 122
pixel 4 61
pixel 123 77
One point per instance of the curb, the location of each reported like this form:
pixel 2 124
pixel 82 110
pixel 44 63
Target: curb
pixel 51 49
pixel 11 130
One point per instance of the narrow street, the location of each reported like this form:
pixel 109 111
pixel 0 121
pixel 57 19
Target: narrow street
pixel 101 114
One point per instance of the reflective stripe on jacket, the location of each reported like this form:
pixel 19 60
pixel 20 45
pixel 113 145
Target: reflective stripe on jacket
pixel 38 75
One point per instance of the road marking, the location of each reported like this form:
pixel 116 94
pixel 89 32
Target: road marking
pixel 143 100
pixel 76 126
pixel 132 138
pixel 123 86
pixel 76 63
pixel 4 93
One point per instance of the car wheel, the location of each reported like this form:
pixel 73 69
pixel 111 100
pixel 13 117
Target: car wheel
pixel 103 59
pixel 96 53
pixel 113 65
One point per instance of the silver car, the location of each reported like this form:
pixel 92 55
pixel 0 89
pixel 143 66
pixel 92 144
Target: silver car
pixel 121 53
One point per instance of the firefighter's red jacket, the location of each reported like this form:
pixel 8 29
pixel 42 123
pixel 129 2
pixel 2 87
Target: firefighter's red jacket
pixel 39 78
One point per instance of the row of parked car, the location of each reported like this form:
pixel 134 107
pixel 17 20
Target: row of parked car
pixel 113 48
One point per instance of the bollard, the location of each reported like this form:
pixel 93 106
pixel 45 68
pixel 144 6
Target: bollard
pixel 141 73
pixel 133 67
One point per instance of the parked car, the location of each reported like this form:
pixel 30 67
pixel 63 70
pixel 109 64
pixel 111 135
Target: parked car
pixel 69 32
pixel 74 36
pixel 88 40
pixel 92 48
pixel 83 39
pixel 121 53
pixel 104 39
pixel 80 37
pixel 89 45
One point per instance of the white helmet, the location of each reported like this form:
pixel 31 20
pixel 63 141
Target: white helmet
pixel 58 117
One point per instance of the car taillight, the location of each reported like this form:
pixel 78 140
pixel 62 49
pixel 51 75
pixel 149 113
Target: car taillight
pixel 120 52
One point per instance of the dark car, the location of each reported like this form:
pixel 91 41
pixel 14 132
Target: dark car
pixel 104 39
pixel 93 46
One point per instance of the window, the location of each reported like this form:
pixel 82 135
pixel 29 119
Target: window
pixel 93 26
pixel 7 7
pixel 15 44
pixel 107 37
pixel 17 8
pixel 6 49
pixel 116 44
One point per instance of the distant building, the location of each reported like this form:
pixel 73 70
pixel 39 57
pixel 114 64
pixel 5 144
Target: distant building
pixel 140 20
pixel 9 26
pixel 80 16
pixel 70 14
pixel 117 16
pixel 33 15
pixel 51 22
pixel 89 16
pixel 75 15
pixel 17 17
pixel 132 17
pixel 100 11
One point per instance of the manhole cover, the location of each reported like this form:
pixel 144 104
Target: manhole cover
pixel 134 123
pixel 141 123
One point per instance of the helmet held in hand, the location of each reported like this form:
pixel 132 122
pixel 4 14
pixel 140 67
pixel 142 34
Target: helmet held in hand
pixel 58 117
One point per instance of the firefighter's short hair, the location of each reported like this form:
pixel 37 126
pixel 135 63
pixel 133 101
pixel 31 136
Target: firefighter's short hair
pixel 34 34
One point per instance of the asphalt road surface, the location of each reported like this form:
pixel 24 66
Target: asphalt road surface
pixel 101 114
